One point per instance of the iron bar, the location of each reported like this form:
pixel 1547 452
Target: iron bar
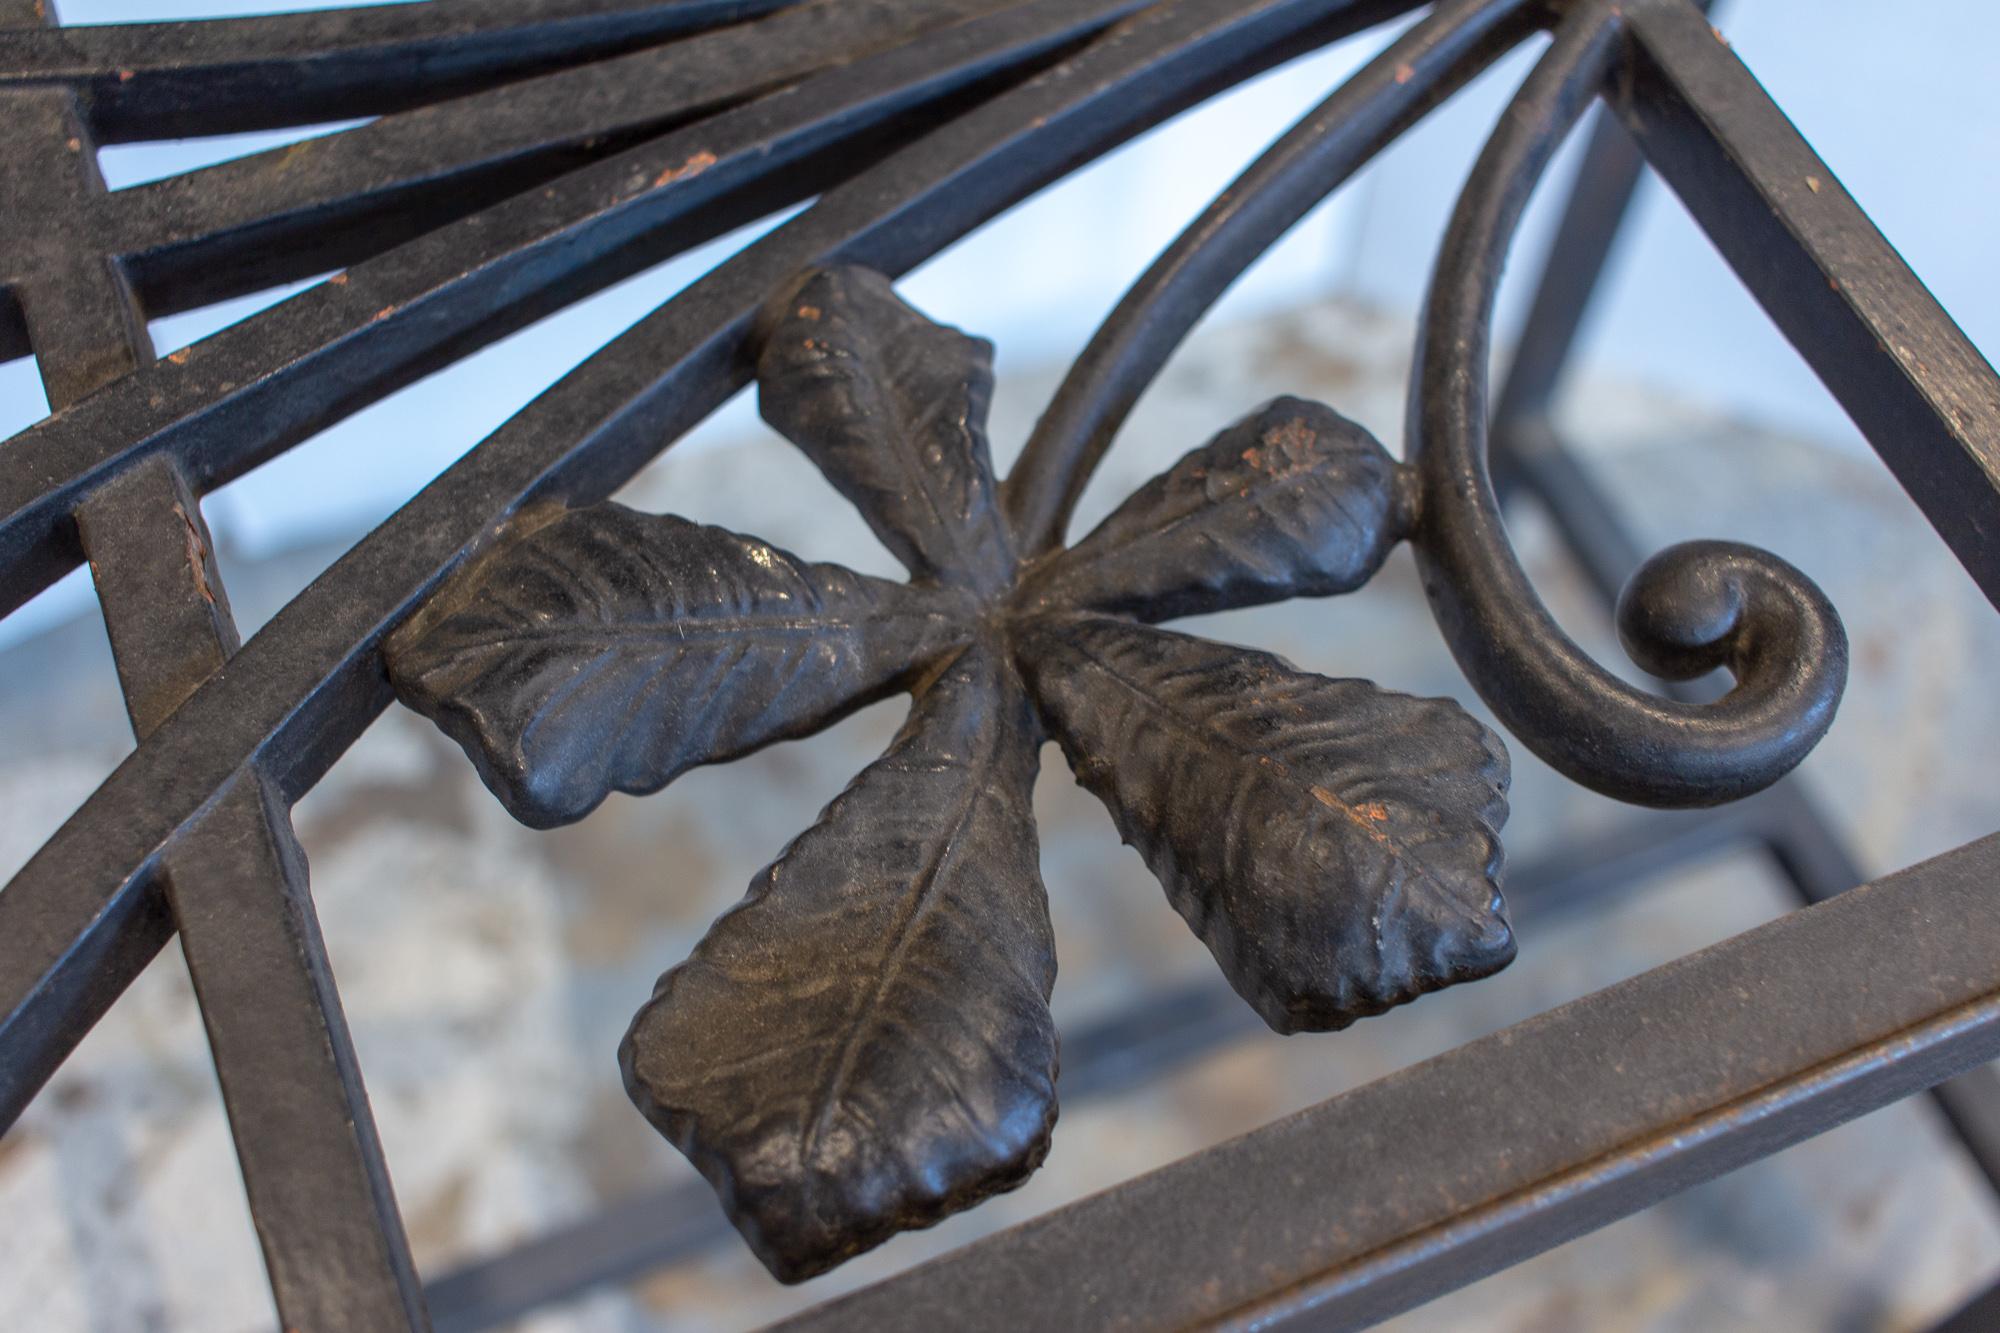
pixel 1801 840
pixel 1920 392
pixel 165 609
pixel 244 395
pixel 305 1139
pixel 1777 633
pixel 302 209
pixel 312 1164
pixel 221 76
pixel 1593 218
pixel 76 304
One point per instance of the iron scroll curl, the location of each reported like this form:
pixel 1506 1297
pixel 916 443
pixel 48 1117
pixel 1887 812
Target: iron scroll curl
pixel 1688 610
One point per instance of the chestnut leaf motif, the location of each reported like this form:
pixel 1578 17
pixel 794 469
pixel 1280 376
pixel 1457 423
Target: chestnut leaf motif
pixel 863 1044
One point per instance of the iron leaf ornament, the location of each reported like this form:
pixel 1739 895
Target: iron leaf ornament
pixel 863 1045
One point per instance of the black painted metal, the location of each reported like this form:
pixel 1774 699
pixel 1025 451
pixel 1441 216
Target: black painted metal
pixel 319 1189
pixel 529 152
pixel 1802 842
pixel 1921 393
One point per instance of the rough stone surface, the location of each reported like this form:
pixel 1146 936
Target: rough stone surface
pixel 489 971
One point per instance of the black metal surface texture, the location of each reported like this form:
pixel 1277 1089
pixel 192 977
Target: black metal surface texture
pixel 1333 843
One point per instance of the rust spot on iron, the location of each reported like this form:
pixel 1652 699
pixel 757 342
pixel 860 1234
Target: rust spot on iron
pixel 1812 183
pixel 1287 450
pixel 1292 437
pixel 809 312
pixel 1405 72
pixel 178 358
pixel 382 314
pixel 694 166
pixel 337 280
pixel 124 76
pixel 197 553
pixel 1367 815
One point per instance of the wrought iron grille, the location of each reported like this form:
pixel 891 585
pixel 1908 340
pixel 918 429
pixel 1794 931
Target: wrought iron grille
pixel 527 152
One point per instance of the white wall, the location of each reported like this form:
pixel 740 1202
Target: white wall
pixel 1899 99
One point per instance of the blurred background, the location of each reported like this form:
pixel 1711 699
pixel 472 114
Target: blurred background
pixel 489 971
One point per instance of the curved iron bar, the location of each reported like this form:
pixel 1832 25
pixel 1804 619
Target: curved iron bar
pixel 305 686
pixel 219 76
pixel 1688 610
pixel 253 390
pixel 1313 159
pixel 301 209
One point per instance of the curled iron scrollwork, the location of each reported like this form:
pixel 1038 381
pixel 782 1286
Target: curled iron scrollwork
pixel 863 1045
pixel 1689 610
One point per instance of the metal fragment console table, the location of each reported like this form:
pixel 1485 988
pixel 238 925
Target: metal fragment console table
pixel 1335 844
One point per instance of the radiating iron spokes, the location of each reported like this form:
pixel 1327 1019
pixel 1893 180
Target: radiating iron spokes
pixel 458 220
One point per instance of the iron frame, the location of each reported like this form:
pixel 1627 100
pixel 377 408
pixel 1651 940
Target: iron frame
pixel 476 215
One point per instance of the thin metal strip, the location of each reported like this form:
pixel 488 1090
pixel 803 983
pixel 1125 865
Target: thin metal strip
pixel 1918 389
pixel 319 1191
pixel 302 209
pixel 1385 1196
pixel 1591 224
pixel 220 76
pixel 1424 66
pixel 1593 218
pixel 78 311
pixel 252 390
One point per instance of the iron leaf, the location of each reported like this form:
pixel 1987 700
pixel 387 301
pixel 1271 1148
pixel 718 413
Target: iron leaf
pixel 612 651
pixel 1334 844
pixel 892 408
pixel 1294 500
pixel 863 1045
